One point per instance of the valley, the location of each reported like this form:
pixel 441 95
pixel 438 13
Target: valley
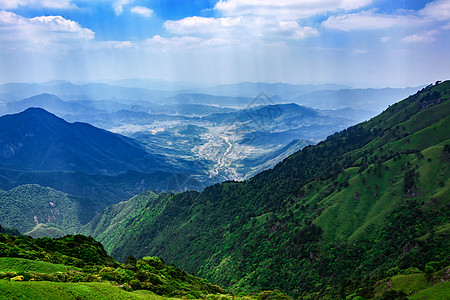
pixel 229 192
pixel 330 220
pixel 224 150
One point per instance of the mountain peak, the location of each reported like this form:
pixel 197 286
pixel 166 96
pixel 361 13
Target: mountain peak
pixel 38 140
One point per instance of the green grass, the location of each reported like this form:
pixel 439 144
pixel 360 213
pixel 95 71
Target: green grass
pixel 25 265
pixel 439 291
pixel 415 285
pixel 409 283
pixel 42 230
pixel 60 290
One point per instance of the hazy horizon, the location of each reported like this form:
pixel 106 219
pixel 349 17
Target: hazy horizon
pixel 369 43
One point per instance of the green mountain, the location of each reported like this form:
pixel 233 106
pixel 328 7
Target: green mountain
pixel 335 219
pixel 38 211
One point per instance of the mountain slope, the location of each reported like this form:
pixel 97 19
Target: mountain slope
pixel 26 206
pixel 328 221
pixel 38 140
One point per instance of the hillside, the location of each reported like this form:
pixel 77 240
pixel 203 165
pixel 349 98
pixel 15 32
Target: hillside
pixel 27 206
pixel 369 202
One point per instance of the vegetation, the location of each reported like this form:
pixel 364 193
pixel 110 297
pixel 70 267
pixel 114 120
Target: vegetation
pixel 78 267
pixel 29 207
pixel 332 220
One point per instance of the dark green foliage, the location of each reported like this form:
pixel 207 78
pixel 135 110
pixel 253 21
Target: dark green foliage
pixel 76 250
pixel 9 231
pixel 394 295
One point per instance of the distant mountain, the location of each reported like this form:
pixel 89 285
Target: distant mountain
pixel 375 100
pixel 38 140
pixel 363 214
pixel 207 99
pixel 282 90
pixel 153 84
pixel 281 123
pixel 96 91
pixel 48 102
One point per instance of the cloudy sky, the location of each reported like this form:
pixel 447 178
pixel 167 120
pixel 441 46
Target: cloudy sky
pixel 358 42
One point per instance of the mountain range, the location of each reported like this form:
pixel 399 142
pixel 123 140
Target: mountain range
pixel 361 214
pixel 38 140
pixel 88 169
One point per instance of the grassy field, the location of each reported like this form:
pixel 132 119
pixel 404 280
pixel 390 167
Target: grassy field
pixel 439 291
pixel 12 264
pixel 61 290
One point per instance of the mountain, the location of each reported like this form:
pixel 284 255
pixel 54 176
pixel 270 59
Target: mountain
pixel 207 99
pixel 362 214
pixel 87 169
pixel 38 140
pixel 28 206
pixel 96 91
pixel 282 90
pixel 375 100
pixel 45 101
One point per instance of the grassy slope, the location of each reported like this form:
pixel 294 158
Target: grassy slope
pixel 317 215
pixel 13 264
pixel 62 290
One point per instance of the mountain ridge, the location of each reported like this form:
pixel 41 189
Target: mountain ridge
pixel 38 140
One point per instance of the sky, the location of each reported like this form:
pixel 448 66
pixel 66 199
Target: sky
pixel 371 43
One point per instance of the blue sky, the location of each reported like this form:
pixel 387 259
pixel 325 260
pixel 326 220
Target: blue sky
pixel 372 43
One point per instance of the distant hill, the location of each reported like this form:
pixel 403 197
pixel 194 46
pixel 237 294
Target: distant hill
pixel 45 101
pixel 282 90
pixel 27 206
pixel 375 100
pixel 96 91
pixel 38 140
pixel 350 217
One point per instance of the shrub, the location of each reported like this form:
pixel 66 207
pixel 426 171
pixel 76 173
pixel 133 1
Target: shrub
pixel 127 287
pixel 135 284
pixel 108 273
pixel 18 278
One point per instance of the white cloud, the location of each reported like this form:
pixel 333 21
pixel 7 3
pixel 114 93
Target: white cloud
pixel 437 10
pixel 370 20
pixel 119 4
pixel 427 37
pixel 286 9
pixel 113 45
pixel 243 27
pixel 187 42
pixel 40 31
pixel 57 4
pixel 385 39
pixel 143 11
